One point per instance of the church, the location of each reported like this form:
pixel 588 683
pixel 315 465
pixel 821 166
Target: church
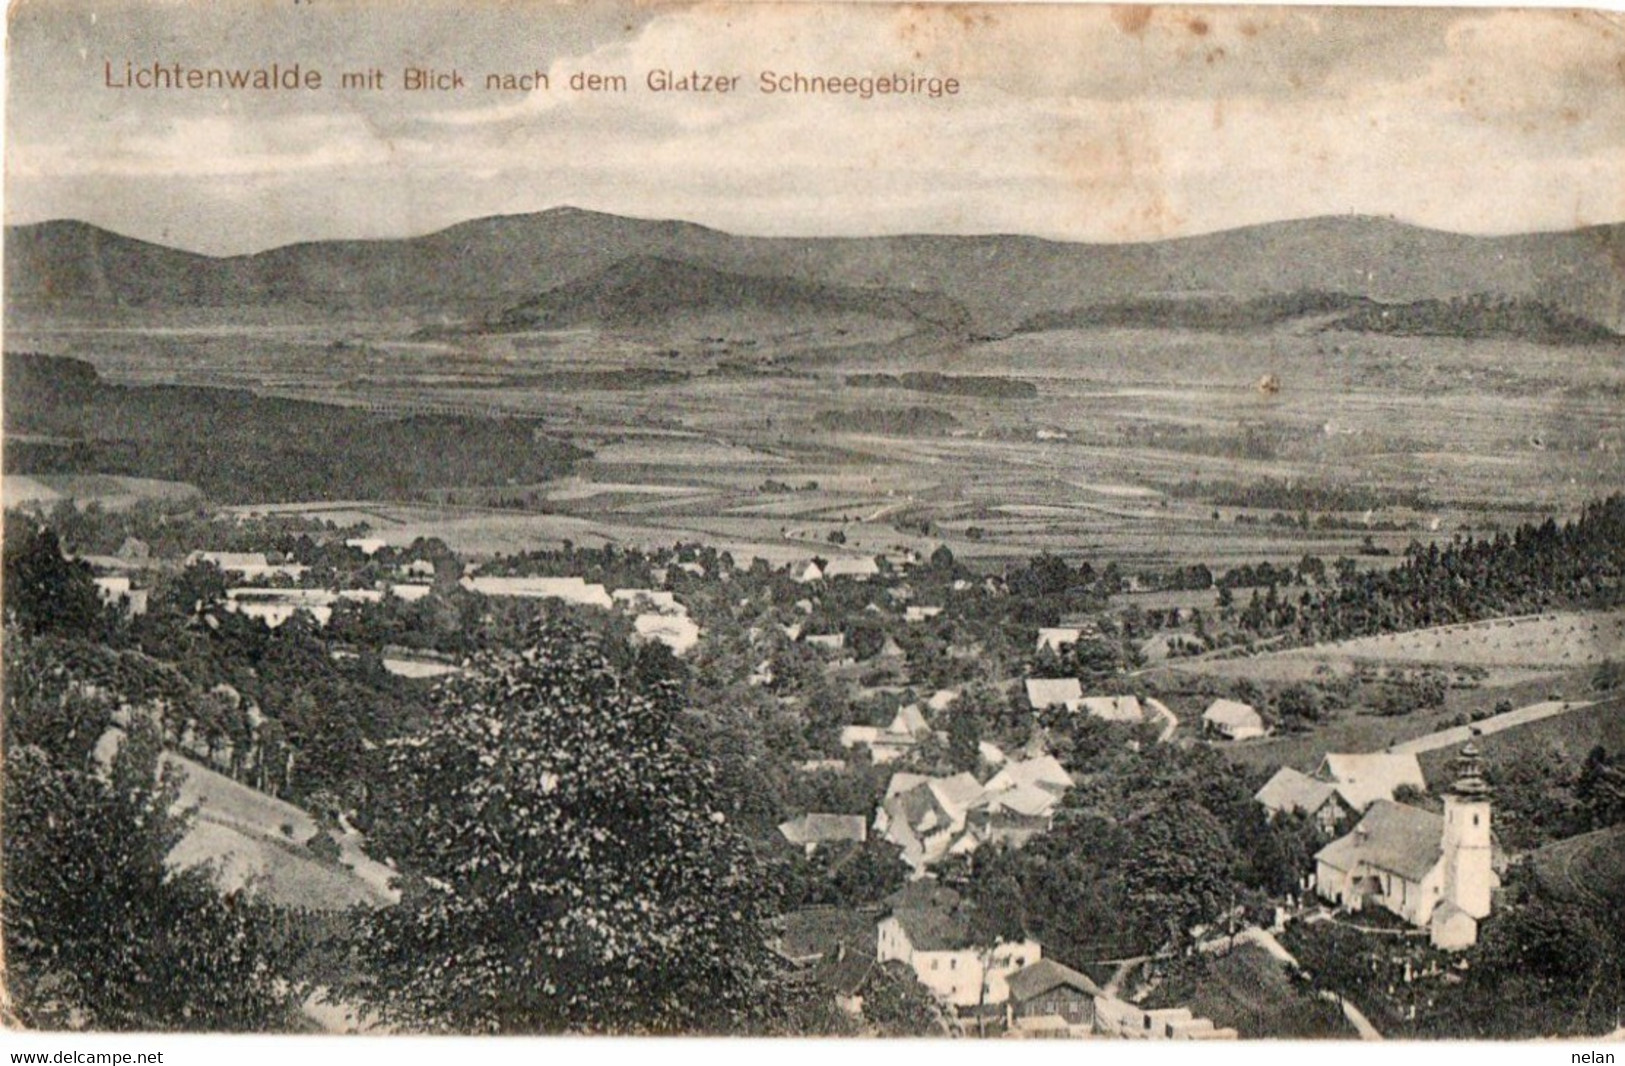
pixel 1432 870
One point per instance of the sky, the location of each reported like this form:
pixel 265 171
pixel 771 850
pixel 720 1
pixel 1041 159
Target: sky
pixel 1091 123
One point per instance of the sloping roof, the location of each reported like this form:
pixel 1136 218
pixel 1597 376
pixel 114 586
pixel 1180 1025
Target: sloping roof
pixel 909 720
pixel 853 735
pixel 861 567
pixel 958 791
pixel 1392 836
pixel 931 916
pixel 1291 790
pixel 1363 779
pixel 818 931
pixel 990 752
pixel 1029 800
pixel 1114 708
pixel 229 560
pixel 1045 974
pixel 1044 771
pixel 1057 637
pixel 942 698
pixel 1053 691
pixel 569 589
pixel 845 972
pixel 825 828
pixel 677 633
pixel 1233 714
pixel 921 809
pixel 901 781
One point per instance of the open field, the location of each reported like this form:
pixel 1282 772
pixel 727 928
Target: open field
pixel 109 491
pixel 1510 650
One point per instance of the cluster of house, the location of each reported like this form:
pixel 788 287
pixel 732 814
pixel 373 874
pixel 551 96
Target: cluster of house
pixel 1009 985
pixel 934 818
pixel 907 729
pixel 931 818
pixel 1066 693
pixel 1437 871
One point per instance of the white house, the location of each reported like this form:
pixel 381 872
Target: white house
pixel 569 589
pixel 677 632
pixel 927 928
pixel 1233 720
pixel 1363 779
pixel 1433 871
pixel 858 569
pixel 1058 639
pixel 1046 692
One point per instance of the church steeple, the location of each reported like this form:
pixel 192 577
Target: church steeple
pixel 1468 770
pixel 1468 877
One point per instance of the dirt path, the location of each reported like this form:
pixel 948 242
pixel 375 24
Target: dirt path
pixel 1458 735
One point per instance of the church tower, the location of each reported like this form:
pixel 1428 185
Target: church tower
pixel 1468 876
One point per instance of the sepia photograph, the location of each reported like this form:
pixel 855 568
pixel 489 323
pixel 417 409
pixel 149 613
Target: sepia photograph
pixel 813 520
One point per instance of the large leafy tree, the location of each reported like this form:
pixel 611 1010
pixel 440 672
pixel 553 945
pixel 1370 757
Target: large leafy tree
pixel 567 865
pixel 99 932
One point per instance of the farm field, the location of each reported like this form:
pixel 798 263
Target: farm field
pixel 683 425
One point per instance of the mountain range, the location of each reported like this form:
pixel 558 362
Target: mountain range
pixel 567 266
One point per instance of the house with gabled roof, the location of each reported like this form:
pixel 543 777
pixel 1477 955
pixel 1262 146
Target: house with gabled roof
pixel 1294 792
pixel 1046 692
pixel 1042 771
pixel 861 568
pixel 908 727
pixel 1233 720
pixel 1364 779
pixel 925 816
pixel 1048 990
pixel 928 927
pixel 1058 638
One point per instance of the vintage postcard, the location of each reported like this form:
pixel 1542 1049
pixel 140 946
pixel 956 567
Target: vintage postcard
pixel 814 519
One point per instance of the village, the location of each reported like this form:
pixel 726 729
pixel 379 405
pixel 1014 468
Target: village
pixel 926 757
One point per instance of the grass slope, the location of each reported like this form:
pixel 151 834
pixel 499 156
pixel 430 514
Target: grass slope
pixel 240 831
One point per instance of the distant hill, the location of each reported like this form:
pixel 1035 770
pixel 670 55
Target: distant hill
pixel 642 290
pixel 486 267
pixel 1475 315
